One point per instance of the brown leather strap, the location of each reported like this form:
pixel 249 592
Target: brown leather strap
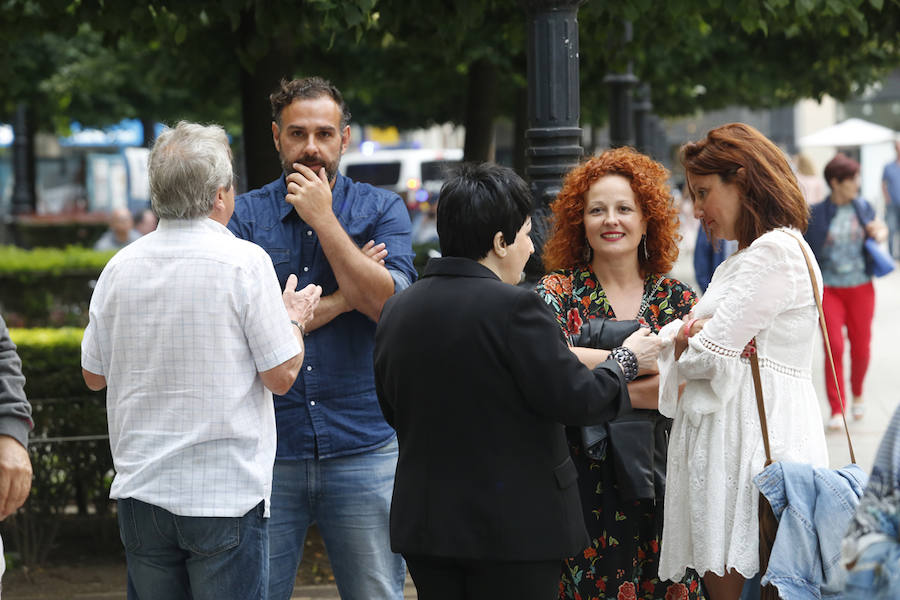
pixel 757 381
pixel 760 406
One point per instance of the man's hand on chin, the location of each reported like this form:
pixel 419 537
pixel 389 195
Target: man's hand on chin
pixel 309 193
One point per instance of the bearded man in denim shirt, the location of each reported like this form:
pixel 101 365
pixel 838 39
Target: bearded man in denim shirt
pixel 336 455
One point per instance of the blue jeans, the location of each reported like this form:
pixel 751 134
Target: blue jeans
pixel 349 499
pixel 193 558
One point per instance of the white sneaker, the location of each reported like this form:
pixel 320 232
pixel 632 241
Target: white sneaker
pixel 835 423
pixel 858 410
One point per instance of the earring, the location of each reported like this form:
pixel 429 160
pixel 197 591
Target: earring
pixel 644 244
pixel 587 253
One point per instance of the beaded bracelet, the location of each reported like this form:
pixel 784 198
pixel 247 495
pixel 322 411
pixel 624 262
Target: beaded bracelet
pixel 627 361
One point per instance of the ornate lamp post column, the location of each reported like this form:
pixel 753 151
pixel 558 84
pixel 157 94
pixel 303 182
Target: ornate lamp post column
pixel 553 138
pixel 620 111
pixel 643 126
pixel 23 163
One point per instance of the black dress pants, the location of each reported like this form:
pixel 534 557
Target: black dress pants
pixel 439 578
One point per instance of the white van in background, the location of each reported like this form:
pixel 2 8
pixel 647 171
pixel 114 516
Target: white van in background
pixel 415 174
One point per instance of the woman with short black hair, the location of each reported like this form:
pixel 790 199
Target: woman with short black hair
pixel 472 372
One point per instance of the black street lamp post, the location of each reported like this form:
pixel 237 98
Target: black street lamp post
pixel 22 201
pixel 553 138
pixel 23 163
pixel 620 109
pixel 643 122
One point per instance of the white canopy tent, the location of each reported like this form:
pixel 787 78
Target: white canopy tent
pixel 876 149
pixel 852 132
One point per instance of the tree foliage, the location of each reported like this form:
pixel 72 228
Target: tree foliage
pixel 708 54
pixel 413 63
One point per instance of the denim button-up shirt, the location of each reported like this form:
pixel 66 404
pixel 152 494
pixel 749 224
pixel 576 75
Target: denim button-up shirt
pixel 331 410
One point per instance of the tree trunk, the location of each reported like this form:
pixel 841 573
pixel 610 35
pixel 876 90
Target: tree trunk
pixel 149 127
pixel 260 157
pixel 481 107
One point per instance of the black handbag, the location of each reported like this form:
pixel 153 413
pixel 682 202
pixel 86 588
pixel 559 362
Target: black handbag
pixel 638 443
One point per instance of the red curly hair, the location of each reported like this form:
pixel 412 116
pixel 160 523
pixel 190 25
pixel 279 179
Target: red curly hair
pixel 566 247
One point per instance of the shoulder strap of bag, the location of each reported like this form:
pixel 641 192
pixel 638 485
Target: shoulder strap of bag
pixel 760 406
pixel 757 381
pixel 857 208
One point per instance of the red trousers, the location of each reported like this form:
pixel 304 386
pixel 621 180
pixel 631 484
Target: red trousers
pixel 853 308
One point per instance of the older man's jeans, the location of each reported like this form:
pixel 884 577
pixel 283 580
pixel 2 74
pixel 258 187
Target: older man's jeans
pixel 349 499
pixel 198 558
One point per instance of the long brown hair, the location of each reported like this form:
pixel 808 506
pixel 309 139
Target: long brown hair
pixel 769 193
pixel 566 247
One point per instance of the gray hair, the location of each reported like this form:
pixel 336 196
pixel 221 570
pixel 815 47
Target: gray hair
pixel 188 165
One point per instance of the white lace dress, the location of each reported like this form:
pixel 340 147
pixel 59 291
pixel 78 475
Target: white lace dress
pixel 716 446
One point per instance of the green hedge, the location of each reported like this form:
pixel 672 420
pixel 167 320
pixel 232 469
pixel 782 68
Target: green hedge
pixel 52 261
pixel 51 360
pixel 48 286
pixel 52 286
pixel 69 475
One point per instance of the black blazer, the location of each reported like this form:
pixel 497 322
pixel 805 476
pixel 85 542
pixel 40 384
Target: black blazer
pixel 476 379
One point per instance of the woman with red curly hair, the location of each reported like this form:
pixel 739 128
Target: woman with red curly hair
pixel 615 236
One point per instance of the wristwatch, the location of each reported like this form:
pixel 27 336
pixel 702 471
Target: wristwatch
pixel 299 326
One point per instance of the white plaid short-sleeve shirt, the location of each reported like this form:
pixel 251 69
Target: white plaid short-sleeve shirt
pixel 181 323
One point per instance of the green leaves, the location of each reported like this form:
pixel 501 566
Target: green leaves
pixel 758 54
pixel 406 63
pixel 805 7
pixel 181 33
pixel 51 261
pixel 69 337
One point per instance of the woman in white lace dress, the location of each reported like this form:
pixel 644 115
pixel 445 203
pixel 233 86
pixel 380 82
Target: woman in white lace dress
pixel 743 190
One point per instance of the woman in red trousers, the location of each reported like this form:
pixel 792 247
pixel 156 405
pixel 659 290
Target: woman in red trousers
pixel 838 228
